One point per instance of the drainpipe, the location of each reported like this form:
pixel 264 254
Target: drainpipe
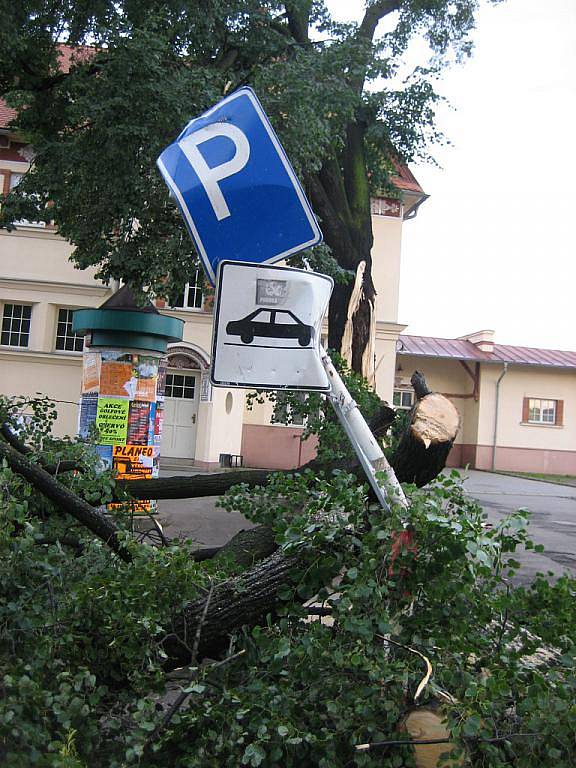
pixel 496 415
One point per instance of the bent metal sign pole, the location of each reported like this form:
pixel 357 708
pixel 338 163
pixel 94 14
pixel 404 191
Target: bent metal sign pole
pixel 367 448
pixel 267 329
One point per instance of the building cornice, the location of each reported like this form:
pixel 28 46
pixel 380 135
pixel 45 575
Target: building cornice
pixel 11 354
pixel 195 316
pixel 49 232
pixel 34 284
pixel 387 330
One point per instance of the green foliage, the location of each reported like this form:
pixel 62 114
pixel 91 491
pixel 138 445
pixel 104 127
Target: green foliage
pixel 98 128
pixel 316 413
pixel 81 635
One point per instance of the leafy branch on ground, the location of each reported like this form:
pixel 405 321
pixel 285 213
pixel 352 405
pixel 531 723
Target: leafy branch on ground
pixel 82 635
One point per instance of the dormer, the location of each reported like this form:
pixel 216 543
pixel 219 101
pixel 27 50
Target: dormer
pixel 484 340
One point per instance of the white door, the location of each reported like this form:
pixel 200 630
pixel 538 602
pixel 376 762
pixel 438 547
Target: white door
pixel 180 415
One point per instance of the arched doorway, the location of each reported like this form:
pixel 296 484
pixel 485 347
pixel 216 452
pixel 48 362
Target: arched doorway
pixel 184 378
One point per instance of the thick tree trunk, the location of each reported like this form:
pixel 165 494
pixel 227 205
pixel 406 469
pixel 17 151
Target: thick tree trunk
pixel 239 602
pixel 194 486
pixel 340 193
pixel 424 447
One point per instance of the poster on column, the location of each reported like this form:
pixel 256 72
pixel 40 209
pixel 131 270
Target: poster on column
pixel 117 375
pixel 134 462
pixel 121 404
pixel 138 423
pixel 112 420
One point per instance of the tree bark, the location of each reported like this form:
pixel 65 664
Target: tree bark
pixel 187 487
pixel 424 447
pixel 340 193
pixel 66 500
pixel 235 603
pixel 52 469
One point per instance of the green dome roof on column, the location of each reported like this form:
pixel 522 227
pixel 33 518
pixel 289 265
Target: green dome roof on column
pixel 122 322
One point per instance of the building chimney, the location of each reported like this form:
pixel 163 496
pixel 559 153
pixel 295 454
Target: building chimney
pixel 484 340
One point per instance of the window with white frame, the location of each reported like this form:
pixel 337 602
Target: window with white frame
pixel 14 180
pixel 403 399
pixel 66 339
pixel 16 325
pixel 180 386
pixel 192 296
pixel 541 411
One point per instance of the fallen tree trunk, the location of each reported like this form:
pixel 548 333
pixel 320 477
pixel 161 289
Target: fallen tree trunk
pixel 188 487
pixel 100 525
pixel 52 469
pixel 231 605
pixel 424 447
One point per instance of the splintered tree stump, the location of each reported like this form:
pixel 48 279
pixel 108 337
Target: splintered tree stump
pixel 428 724
pixel 424 447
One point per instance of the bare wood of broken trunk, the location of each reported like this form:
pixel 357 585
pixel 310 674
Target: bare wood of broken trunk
pixel 425 444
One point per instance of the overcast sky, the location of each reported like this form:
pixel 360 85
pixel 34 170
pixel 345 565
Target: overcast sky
pixel 494 246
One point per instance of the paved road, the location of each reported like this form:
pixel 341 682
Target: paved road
pixel 553 517
pixel 553 509
pixel 201 520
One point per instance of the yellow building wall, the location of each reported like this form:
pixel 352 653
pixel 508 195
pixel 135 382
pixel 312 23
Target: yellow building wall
pixel 386 266
pixel 34 269
pixel 519 446
pixel 58 377
pixel 520 382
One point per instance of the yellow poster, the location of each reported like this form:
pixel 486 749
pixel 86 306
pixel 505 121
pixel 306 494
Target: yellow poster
pixel 133 462
pixel 112 420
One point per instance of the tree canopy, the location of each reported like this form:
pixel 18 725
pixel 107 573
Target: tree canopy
pixel 99 111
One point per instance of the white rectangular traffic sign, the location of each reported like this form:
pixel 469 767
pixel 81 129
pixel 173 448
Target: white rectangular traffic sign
pixel 267 327
pixel 237 191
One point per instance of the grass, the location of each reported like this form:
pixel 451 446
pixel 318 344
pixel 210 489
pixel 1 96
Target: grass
pixel 562 479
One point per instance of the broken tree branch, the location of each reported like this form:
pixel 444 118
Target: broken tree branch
pixel 65 499
pixel 53 469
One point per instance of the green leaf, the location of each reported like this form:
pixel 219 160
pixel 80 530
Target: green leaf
pixel 253 755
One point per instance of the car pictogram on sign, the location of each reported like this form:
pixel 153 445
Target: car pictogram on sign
pixel 271 324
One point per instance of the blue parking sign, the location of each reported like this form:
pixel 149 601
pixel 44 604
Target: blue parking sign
pixel 235 186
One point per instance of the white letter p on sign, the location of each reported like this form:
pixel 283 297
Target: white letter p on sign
pixel 211 176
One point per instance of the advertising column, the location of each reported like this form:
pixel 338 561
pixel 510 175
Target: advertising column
pixel 123 380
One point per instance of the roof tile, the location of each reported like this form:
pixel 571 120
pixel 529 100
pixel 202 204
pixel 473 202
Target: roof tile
pixel 461 349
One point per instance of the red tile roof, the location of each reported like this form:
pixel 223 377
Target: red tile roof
pixel 461 349
pixel 68 55
pixel 6 114
pixel 404 178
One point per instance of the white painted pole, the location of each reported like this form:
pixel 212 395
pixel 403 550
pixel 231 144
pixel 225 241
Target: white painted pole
pixel 367 449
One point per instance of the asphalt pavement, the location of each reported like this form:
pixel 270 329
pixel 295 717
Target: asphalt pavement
pixel 552 508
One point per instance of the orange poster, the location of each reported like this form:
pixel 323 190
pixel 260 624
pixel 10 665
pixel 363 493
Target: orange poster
pixel 133 462
pixel 146 390
pixel 116 379
pixel 91 372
